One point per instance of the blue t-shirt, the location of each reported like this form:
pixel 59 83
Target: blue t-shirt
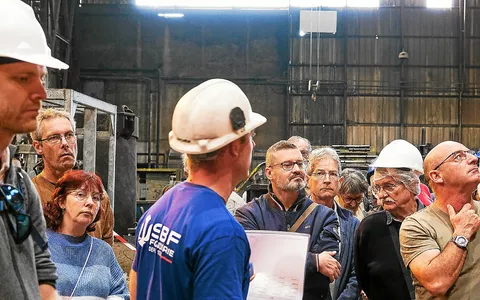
pixel 190 247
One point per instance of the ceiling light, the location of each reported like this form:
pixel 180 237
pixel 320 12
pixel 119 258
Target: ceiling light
pixel 170 15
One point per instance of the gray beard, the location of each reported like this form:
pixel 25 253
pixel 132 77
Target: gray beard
pixel 294 186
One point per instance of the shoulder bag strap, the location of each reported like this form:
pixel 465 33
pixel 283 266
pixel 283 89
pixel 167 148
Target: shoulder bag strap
pixel 302 218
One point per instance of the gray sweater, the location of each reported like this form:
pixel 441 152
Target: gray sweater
pixel 24 266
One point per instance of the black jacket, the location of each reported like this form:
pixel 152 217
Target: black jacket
pixel 268 213
pixel 380 270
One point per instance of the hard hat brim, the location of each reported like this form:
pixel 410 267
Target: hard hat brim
pixel 41 60
pixel 207 146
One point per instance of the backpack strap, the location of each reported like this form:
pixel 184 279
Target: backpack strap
pixel 37 238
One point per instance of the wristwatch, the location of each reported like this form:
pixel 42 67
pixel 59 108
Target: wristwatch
pixel 460 241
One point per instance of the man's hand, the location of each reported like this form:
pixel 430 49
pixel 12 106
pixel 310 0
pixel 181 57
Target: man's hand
pixel 329 266
pixel 466 222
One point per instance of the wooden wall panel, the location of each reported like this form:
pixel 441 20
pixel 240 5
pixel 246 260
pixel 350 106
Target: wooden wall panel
pixel 324 110
pixel 324 135
pixel 375 136
pixel 373 110
pixel 471 137
pixel 471 111
pixel 431 111
pixel 434 135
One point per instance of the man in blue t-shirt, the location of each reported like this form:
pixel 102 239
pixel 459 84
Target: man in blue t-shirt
pixel 188 245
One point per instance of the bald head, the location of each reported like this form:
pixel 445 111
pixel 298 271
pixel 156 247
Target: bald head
pixel 453 167
pixel 439 153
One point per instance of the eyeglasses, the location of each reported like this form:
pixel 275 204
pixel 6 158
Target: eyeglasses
pixel 458 156
pixel 82 196
pixel 289 165
pixel 57 138
pixel 350 200
pixel 305 153
pixel 387 188
pixel 19 222
pixel 321 174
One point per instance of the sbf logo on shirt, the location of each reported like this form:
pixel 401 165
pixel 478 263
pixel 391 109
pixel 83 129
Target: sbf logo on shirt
pixel 159 238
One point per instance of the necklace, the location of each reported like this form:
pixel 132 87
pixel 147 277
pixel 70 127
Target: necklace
pixel 83 269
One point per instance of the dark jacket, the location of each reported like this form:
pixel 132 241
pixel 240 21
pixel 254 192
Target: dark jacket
pixel 346 285
pixel 268 213
pixel 380 270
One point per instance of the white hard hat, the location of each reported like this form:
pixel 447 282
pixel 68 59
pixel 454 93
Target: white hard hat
pixel 22 37
pixel 400 154
pixel 210 116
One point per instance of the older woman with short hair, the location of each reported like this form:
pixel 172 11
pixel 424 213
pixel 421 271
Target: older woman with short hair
pixel 86 266
pixel 352 191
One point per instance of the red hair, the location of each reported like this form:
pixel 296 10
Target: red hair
pixel 70 181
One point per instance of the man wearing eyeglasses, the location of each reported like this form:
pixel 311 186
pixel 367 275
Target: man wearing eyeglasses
pixel 439 244
pixel 282 207
pixel 323 172
pixel 396 184
pixel 27 271
pixel 54 139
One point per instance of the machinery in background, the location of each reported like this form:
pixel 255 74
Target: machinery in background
pixel 126 170
pixel 105 146
pixel 152 184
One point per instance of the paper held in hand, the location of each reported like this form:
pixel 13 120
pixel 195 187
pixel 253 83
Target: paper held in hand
pixel 278 260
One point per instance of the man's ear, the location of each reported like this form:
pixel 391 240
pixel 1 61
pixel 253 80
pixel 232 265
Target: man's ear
pixel 38 147
pixel 341 180
pixel 268 173
pixel 234 148
pixel 435 176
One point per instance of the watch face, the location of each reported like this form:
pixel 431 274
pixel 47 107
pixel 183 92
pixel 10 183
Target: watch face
pixel 461 241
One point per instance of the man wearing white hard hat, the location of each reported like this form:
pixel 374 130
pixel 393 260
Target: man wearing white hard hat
pixel 189 246
pixel 396 184
pixel 440 244
pixel 27 270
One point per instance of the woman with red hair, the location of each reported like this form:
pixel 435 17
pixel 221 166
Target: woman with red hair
pixel 86 266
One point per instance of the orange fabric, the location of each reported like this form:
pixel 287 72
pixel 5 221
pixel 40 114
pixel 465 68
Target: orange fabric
pixel 103 228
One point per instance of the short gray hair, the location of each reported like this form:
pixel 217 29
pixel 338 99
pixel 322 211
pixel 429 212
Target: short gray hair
pixel 322 153
pixel 353 182
pixel 405 176
pixel 46 114
pixel 295 138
